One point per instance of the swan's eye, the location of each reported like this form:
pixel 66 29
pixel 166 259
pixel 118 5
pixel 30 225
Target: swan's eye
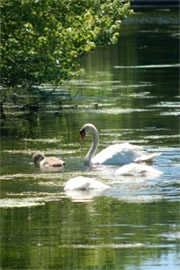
pixel 82 134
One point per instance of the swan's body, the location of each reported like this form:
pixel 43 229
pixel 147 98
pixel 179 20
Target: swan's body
pixel 84 183
pixel 135 169
pixel 47 162
pixel 117 154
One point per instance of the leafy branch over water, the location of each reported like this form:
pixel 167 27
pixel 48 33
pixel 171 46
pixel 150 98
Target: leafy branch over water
pixel 43 41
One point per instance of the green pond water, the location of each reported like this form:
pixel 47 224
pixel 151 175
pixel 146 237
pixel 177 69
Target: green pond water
pixel 131 93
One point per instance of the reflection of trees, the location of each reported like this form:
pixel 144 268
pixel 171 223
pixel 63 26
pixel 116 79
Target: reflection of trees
pixel 64 235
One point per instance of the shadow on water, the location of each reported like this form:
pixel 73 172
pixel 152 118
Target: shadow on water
pixel 130 92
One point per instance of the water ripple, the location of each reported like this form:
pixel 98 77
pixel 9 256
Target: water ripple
pixel 149 66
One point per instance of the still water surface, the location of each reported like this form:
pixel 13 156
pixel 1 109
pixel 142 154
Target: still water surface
pixel 131 93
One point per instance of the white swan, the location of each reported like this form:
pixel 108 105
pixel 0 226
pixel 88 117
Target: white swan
pixel 135 169
pixel 47 162
pixel 84 183
pixel 117 154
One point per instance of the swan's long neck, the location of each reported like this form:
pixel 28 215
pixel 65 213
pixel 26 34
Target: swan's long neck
pixel 94 145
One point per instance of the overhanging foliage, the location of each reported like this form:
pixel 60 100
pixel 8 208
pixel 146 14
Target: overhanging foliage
pixel 42 40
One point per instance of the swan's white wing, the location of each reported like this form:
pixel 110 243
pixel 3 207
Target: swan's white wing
pixel 147 157
pixel 94 184
pixel 84 183
pixel 118 154
pixel 77 183
pixel 135 169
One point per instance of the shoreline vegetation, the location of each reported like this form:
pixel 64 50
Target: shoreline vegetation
pixel 44 42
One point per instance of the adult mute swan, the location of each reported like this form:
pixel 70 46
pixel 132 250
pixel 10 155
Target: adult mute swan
pixel 84 183
pixel 117 154
pixel 47 162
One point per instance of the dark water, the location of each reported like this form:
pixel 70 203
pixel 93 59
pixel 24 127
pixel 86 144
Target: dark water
pixel 131 93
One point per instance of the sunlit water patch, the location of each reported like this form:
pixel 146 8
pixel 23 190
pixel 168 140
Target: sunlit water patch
pixel 29 202
pixel 141 198
pixel 140 95
pixel 149 66
pixel 34 176
pixel 118 110
pixel 47 151
pixel 172 104
pixel 174 113
pixel 155 137
pixel 29 199
pixel 106 246
pixel 43 140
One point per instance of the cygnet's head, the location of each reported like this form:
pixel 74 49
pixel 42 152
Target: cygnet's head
pixel 38 156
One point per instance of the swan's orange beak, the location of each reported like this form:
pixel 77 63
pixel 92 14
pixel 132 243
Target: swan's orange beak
pixel 82 135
